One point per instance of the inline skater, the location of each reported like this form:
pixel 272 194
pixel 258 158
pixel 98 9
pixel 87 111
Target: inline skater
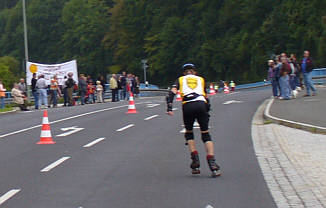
pixel 195 106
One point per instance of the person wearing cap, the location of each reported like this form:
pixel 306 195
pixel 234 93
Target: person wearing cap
pixel 195 106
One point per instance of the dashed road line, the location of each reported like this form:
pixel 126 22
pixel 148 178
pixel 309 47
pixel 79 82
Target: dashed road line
pixel 65 119
pixel 55 164
pixel 94 142
pixel 151 117
pixel 8 195
pixel 126 127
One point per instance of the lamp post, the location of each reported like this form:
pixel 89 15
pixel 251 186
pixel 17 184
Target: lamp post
pixel 145 66
pixel 25 31
pixel 26 46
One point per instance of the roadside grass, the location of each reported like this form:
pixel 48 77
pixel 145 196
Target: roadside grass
pixel 6 109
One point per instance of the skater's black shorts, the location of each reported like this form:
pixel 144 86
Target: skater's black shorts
pixel 195 110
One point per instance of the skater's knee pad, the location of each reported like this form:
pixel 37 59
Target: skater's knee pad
pixel 189 136
pixel 206 137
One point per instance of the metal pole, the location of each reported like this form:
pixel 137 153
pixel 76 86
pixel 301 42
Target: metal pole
pixel 26 47
pixel 25 31
pixel 144 66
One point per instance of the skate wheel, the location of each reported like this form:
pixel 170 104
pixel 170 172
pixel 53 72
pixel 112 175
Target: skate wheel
pixel 195 171
pixel 216 173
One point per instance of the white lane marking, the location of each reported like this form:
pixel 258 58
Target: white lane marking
pixel 152 105
pixel 126 127
pixel 72 129
pixel 174 109
pixel 55 164
pixel 8 195
pixel 65 119
pixel 231 101
pixel 151 117
pixel 94 142
pixel 209 206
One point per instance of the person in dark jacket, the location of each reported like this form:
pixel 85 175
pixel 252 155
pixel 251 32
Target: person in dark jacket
pixel 34 90
pixel 306 68
pixel 70 84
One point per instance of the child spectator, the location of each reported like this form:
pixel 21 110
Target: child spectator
pixel 90 92
pixel 99 90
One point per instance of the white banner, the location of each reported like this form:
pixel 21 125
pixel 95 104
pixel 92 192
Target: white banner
pixel 49 70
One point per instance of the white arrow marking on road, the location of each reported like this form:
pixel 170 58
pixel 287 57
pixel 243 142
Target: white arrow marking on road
pixel 151 117
pixel 73 129
pixel 8 195
pixel 55 164
pixel 126 127
pixel 152 105
pixel 94 142
pixel 231 101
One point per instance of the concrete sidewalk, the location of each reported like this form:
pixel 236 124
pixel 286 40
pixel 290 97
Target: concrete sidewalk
pixel 307 113
pixel 292 162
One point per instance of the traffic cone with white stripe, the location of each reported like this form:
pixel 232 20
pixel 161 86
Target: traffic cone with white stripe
pixel 131 107
pixel 178 98
pixel 211 90
pixel 226 89
pixel 46 137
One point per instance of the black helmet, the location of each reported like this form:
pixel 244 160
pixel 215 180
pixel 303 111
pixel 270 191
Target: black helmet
pixel 188 66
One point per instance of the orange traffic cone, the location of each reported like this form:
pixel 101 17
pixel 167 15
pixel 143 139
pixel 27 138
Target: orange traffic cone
pixel 46 137
pixel 131 107
pixel 226 89
pixel 178 98
pixel 211 90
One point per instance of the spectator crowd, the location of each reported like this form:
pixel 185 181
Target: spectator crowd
pixel 287 76
pixel 47 93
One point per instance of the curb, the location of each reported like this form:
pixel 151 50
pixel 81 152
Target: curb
pixel 293 124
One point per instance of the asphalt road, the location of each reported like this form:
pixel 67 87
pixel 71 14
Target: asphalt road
pixel 139 160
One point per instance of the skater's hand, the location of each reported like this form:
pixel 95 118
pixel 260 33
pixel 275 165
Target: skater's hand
pixel 170 113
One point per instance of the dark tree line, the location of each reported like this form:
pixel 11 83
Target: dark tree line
pixel 226 39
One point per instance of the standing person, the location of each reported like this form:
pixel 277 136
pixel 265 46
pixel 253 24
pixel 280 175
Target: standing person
pixel 195 106
pixel 297 73
pixel 22 86
pixel 42 91
pixel 70 84
pixel 64 90
pixel 137 86
pixel 123 83
pixel 284 80
pixel 34 90
pixel 19 97
pixel 99 91
pixel 114 87
pixel 82 85
pixel 103 83
pixel 120 97
pixel 221 86
pixel 307 67
pixel 2 96
pixel 272 77
pixel 54 90
pixel 90 92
